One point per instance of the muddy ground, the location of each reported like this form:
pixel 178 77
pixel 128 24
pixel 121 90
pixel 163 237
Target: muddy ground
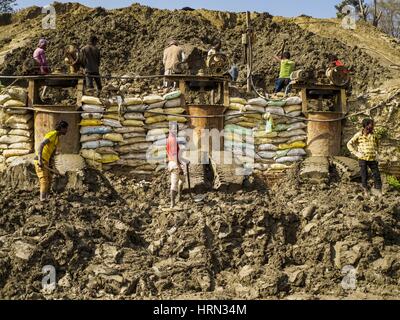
pixel 110 238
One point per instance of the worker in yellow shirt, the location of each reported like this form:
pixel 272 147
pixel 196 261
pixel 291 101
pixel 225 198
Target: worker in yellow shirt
pixel 44 155
pixel 364 145
pixel 287 67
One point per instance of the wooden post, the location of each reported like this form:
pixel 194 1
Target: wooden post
pixel 304 104
pixel 249 51
pixel 212 97
pixel 182 89
pixel 343 101
pixel 33 92
pixel 79 92
pixel 182 86
pixel 226 94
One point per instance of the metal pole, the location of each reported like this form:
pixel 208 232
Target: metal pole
pixel 249 51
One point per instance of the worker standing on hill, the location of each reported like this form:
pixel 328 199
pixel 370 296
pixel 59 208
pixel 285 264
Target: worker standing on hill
pixel 45 155
pixel 364 145
pixel 90 59
pixel 174 163
pixel 39 56
pixel 173 55
pixel 287 67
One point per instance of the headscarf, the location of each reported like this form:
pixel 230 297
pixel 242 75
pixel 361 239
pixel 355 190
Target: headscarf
pixel 42 43
pixel 172 42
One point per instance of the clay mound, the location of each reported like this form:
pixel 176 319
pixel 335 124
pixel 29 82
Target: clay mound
pixel 133 39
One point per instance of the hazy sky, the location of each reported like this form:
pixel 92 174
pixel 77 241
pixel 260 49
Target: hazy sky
pixel 287 8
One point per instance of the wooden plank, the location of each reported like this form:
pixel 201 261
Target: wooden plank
pixel 194 78
pixel 304 103
pixel 47 77
pixel 31 93
pixel 316 87
pixel 56 106
pixel 343 101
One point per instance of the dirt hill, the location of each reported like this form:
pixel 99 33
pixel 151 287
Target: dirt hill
pixel 132 40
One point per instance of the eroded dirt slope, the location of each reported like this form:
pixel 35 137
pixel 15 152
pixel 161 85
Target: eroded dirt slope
pixel 289 242
pixel 132 40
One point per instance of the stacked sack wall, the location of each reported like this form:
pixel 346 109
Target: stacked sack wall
pixel 264 135
pixel 16 125
pixel 132 132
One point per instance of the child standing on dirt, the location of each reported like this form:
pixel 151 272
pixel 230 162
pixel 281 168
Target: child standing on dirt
pixel 364 145
pixel 44 155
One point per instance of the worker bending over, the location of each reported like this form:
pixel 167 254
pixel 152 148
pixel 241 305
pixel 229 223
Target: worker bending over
pixel 215 49
pixel 287 67
pixel 39 56
pixel 44 157
pixel 72 59
pixel 174 163
pixel 364 145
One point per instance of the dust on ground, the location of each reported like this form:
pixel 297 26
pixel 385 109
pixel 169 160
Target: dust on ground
pixel 110 238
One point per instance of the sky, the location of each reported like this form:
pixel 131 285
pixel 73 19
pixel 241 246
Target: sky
pixel 287 8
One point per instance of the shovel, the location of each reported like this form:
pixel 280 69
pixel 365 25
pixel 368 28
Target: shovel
pixel 53 171
pixel 198 198
pixel 188 180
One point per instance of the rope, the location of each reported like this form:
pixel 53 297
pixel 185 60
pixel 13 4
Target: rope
pixel 381 54
pixel 223 115
pixel 9 86
pixel 80 76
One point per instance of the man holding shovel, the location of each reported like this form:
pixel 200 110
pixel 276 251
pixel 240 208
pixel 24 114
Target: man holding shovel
pixel 43 156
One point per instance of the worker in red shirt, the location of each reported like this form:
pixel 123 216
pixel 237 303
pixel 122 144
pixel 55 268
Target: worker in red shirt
pixel 335 62
pixel 174 163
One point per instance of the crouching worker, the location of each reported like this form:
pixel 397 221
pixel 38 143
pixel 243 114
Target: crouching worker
pixel 44 156
pixel 174 163
pixel 364 145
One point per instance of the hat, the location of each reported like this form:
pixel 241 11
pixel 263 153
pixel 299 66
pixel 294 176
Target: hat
pixel 42 42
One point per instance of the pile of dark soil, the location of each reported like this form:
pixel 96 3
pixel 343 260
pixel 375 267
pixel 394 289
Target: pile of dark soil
pixel 113 240
pixel 132 41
